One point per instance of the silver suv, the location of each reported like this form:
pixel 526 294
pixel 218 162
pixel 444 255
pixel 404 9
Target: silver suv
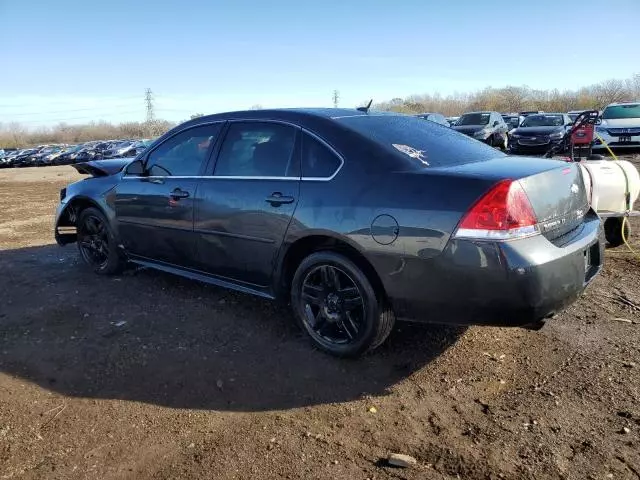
pixel 620 127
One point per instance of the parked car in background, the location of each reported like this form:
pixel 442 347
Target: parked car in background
pixel 24 158
pixel 488 127
pixel 68 156
pixel 526 113
pixel 573 114
pixel 239 200
pixel 434 117
pixel 9 158
pixel 512 120
pixel 538 132
pixel 452 120
pixel 620 126
pixel 118 150
pixel 46 156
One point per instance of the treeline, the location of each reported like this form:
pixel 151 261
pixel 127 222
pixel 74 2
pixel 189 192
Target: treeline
pixel 507 99
pixel 517 99
pixel 15 135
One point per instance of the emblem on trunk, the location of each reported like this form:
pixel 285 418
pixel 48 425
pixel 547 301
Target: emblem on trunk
pixel 574 188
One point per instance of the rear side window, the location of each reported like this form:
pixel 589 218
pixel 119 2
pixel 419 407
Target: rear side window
pixel 425 143
pixel 184 153
pixel 318 161
pixel 258 149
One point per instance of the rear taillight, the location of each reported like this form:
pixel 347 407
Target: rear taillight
pixel 503 213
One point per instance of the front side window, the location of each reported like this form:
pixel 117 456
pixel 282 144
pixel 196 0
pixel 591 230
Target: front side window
pixel 318 161
pixel 258 149
pixel 184 153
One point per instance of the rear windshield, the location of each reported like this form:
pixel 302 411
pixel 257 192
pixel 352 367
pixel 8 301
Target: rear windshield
pixel 543 121
pixel 474 119
pixel 428 144
pixel 622 111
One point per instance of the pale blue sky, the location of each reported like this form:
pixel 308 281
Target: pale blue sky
pixel 77 60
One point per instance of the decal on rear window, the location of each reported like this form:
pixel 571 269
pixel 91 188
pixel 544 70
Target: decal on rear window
pixel 412 152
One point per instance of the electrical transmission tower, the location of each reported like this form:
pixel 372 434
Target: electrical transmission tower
pixel 336 98
pixel 148 98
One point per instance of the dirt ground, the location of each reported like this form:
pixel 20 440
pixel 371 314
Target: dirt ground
pixel 149 376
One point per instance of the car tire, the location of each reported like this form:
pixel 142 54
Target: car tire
pixel 613 231
pixel 97 244
pixel 344 317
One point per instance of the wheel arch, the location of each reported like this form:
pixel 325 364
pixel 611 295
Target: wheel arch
pixel 66 224
pixel 299 249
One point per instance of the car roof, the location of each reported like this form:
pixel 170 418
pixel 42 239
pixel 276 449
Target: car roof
pixel 619 104
pixel 292 113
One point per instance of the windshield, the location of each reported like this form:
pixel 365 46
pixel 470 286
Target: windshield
pixel 622 111
pixel 429 144
pixel 543 121
pixel 474 119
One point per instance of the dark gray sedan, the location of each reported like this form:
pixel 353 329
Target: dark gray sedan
pixel 357 218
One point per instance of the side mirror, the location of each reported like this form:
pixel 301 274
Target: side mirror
pixel 495 124
pixel 135 168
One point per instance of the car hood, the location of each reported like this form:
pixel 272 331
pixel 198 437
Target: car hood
pixel 468 128
pixel 102 168
pixel 536 130
pixel 621 122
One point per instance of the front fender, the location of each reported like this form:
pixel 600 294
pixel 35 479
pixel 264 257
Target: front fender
pixel 91 192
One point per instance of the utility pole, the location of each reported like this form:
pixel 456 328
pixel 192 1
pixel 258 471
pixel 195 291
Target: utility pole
pixel 148 98
pixel 336 98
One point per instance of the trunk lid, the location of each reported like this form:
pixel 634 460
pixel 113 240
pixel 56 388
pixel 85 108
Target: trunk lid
pixel 102 168
pixel 555 189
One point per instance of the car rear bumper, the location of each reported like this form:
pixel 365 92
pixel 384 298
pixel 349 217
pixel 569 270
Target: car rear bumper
pixel 515 283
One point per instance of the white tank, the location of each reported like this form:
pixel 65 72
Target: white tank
pixel 605 182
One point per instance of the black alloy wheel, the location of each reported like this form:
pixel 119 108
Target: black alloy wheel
pixel 337 306
pixel 333 305
pixel 96 242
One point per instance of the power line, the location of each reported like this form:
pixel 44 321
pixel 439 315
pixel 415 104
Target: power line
pixel 58 102
pixel 92 117
pixel 65 111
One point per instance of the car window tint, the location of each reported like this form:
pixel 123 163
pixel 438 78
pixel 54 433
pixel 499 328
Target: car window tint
pixel 184 153
pixel 424 143
pixel 258 149
pixel 318 161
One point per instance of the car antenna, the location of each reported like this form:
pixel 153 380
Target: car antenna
pixel 365 109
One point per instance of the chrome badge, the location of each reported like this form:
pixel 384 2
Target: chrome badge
pixel 574 188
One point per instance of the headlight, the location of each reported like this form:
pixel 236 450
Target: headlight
pixel 556 135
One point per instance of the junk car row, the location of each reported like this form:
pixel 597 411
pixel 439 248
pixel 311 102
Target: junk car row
pixel 62 154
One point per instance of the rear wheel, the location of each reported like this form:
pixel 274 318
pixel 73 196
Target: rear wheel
pixel 613 231
pixel 336 304
pixel 97 244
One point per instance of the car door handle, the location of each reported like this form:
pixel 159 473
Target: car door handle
pixel 276 199
pixel 178 193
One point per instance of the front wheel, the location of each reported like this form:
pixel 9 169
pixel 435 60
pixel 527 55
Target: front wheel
pixel 97 244
pixel 336 304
